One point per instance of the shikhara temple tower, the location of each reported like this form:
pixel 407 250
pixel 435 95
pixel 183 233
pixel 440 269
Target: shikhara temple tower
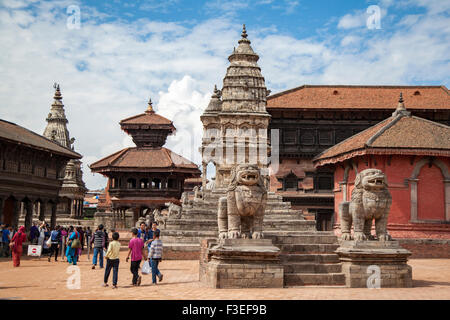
pixel 235 122
pixel 73 189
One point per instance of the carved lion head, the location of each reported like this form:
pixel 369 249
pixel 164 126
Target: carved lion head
pixel 371 179
pixel 246 174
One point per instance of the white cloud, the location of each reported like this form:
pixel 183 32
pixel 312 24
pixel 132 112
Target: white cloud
pixel 108 68
pixel 350 21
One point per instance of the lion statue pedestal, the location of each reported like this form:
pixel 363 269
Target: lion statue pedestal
pixel 241 258
pixel 370 261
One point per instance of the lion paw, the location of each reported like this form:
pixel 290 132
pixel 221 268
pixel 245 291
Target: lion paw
pixel 257 235
pixel 346 236
pixel 234 234
pixel 223 235
pixel 384 237
pixel 245 235
pixel 359 236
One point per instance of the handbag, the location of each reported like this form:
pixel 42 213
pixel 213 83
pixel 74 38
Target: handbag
pixel 146 269
pixel 76 243
pixel 49 242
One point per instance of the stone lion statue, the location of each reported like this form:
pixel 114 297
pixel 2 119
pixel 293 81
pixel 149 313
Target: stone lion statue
pixel 241 212
pixel 370 200
pixel 174 210
pixel 159 218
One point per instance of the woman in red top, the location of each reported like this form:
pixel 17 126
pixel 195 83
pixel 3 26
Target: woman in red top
pixel 17 249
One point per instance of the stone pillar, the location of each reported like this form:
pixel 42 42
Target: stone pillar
pixel 204 173
pixel 28 206
pixel 81 209
pixel 2 203
pixel 42 209
pixel 53 217
pixel 72 208
pixel 413 183
pixel 16 213
pixel 447 199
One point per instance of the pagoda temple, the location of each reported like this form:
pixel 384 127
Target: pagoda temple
pixel 145 177
pixel 71 194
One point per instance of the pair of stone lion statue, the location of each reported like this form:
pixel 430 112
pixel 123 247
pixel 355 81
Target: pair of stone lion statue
pixel 241 212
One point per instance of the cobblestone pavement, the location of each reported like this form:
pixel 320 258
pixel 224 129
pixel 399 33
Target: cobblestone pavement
pixel 40 279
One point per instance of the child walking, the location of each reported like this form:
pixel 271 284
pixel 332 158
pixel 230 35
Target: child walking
pixel 135 249
pixel 112 260
pixel 156 250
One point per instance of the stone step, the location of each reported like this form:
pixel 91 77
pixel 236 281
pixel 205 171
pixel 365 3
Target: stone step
pixel 309 257
pixel 189 233
pixel 318 237
pixel 307 248
pixel 317 279
pixel 308 267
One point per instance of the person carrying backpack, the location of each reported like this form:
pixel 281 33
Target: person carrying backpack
pixel 55 237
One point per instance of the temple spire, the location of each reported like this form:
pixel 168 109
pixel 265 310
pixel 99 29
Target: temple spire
pixel 401 110
pixel 150 106
pixel 244 32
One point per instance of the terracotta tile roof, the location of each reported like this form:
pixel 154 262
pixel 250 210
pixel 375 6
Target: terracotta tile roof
pixel 359 97
pixel 20 135
pixel 194 180
pixel 143 158
pixel 398 134
pixel 146 118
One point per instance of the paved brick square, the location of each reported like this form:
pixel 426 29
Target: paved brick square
pixel 40 279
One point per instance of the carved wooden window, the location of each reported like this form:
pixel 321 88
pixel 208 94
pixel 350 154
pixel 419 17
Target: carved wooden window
pixel 156 183
pixel 326 138
pixel 131 183
pixel 307 138
pixel 290 182
pixel 172 184
pixel 144 183
pixel 289 136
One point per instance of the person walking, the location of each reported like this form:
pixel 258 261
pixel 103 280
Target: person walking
pixel 16 245
pixel 55 237
pixel 135 250
pixel 73 244
pixel 150 235
pixel 142 233
pixel 112 260
pixel 98 240
pixel 42 231
pixel 34 233
pixel 155 256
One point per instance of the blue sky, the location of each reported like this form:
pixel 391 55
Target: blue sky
pixel 175 51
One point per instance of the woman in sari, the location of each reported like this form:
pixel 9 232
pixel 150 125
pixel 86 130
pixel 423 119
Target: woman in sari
pixel 16 243
pixel 72 253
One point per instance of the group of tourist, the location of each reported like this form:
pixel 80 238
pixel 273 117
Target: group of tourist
pixel 145 244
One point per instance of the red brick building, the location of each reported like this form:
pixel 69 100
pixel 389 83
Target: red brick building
pixel 313 118
pixel 414 153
